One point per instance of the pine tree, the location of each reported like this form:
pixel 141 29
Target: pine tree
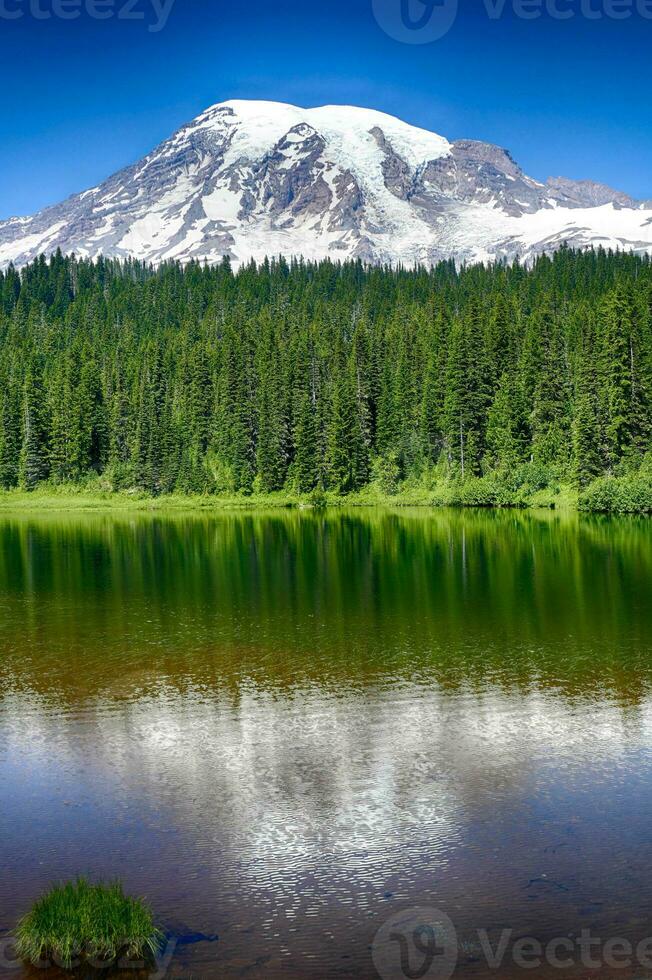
pixel 10 437
pixel 618 377
pixel 347 461
pixel 306 468
pixel 550 397
pixel 508 432
pixel 587 463
pixel 432 398
pixel 33 467
pixel 467 394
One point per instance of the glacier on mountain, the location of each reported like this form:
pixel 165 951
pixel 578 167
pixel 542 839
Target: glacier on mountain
pixel 256 179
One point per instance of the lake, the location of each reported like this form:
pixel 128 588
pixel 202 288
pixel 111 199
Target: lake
pixel 287 730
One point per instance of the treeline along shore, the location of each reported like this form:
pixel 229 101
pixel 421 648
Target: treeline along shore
pixel 487 384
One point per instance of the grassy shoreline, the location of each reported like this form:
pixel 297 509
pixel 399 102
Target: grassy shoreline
pixel 631 494
pixel 83 499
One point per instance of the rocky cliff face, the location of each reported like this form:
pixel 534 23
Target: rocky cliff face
pixel 250 179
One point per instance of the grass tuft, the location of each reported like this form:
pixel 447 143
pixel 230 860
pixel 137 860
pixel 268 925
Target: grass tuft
pixel 98 922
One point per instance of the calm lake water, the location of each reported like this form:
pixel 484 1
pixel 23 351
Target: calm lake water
pixel 285 729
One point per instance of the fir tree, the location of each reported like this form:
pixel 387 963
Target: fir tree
pixel 33 466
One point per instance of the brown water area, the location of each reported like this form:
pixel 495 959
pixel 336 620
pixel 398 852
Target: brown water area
pixel 287 730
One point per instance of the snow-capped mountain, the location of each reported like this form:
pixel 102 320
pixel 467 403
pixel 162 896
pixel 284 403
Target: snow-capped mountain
pixel 255 179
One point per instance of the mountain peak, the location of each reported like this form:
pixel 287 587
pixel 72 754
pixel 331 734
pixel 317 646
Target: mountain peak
pixel 254 178
pixel 588 193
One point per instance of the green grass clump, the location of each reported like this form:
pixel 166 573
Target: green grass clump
pixel 98 922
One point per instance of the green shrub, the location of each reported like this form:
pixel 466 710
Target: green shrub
pixel 98 922
pixel 481 491
pixel 532 477
pixel 221 473
pixel 618 495
pixel 318 499
pixel 386 473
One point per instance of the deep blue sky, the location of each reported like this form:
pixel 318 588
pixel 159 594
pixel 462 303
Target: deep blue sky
pixel 83 97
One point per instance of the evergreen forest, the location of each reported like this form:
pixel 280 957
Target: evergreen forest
pixel 330 378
